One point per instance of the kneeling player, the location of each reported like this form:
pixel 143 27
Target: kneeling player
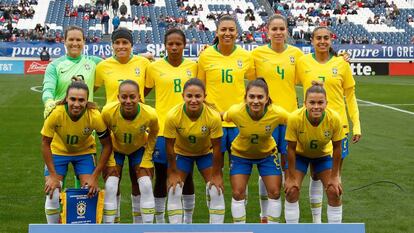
pixel 191 130
pixel 67 139
pixel 314 132
pixel 134 129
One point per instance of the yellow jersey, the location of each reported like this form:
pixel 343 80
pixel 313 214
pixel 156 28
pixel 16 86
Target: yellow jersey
pixel 337 77
pixel 314 141
pixel 224 76
pixel 72 137
pixel 169 83
pixel 130 135
pixel 110 73
pixel 279 72
pixel 255 140
pixel 193 138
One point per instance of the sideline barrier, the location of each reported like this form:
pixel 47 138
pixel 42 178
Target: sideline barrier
pixel 204 228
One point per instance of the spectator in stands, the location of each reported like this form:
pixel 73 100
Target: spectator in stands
pixel 105 22
pixel 115 6
pixel 106 4
pixel 252 28
pixel 123 9
pixel 44 54
pixel 238 10
pixel 123 18
pixel 412 40
pixel 200 8
pixel 116 21
pixel 410 19
pixel 249 10
pixel 369 21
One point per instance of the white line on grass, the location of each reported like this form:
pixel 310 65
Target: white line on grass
pixel 385 106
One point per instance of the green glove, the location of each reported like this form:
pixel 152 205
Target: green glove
pixel 49 106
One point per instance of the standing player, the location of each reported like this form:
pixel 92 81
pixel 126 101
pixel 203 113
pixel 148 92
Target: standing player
pixel 335 72
pixel 59 73
pixel 167 76
pixel 256 119
pixel 67 139
pixel 193 135
pixel 123 65
pixel 276 63
pixel 223 68
pixel 134 128
pixel 314 133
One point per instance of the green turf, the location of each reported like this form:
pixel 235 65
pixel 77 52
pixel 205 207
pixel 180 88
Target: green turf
pixel 383 154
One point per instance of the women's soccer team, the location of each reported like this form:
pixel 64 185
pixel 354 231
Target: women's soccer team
pixel 202 110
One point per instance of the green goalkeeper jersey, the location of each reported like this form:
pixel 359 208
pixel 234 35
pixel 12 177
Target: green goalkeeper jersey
pixel 60 72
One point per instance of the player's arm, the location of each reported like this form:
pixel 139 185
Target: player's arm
pixel 105 140
pixel 49 83
pixel 201 73
pixel 52 182
pixel 149 149
pixel 291 182
pixel 334 180
pixel 353 112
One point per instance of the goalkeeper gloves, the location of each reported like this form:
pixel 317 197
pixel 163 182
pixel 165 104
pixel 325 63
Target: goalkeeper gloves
pixel 49 106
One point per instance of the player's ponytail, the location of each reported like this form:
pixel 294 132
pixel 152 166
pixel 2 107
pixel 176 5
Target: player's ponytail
pixel 261 83
pixel 78 83
pixel 317 87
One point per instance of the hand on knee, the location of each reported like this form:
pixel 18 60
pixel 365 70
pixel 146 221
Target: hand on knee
pixel 239 195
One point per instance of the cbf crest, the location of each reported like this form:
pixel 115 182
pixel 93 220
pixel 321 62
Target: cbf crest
pixel 86 131
pixel 81 208
pixel 87 67
pixel 268 129
pixel 137 71
pixel 240 63
pixel 204 129
pixel 327 134
pixel 143 128
pixel 334 71
pixel 292 60
pixel 188 73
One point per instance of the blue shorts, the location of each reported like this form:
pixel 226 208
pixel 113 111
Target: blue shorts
pixel 319 164
pixel 160 155
pixel 345 146
pixel 134 158
pixel 186 163
pixel 229 134
pixel 82 164
pixel 268 166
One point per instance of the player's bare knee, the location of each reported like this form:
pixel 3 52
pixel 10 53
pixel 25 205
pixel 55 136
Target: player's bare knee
pixel 239 194
pixel 293 195
pixel 273 194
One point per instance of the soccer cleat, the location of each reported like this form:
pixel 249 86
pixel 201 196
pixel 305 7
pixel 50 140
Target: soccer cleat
pixel 263 219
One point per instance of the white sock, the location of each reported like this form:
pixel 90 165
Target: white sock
pixel 175 205
pixel 52 207
pixel 316 196
pixel 110 208
pixel 208 195
pixel 136 209
pixel 274 210
pixel 335 214
pixel 147 199
pixel 238 211
pixel 160 209
pixel 292 212
pixel 118 211
pixel 188 206
pixel 263 198
pixel 246 199
pixel 217 207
